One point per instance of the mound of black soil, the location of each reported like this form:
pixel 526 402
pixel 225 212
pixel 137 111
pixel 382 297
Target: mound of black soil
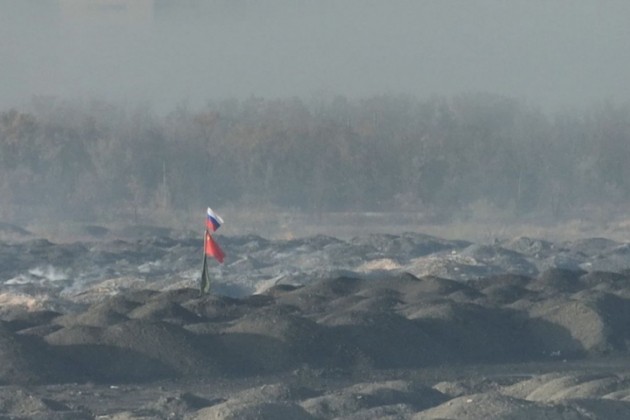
pixel 390 322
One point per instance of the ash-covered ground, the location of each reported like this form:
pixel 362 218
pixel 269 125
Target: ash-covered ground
pixel 379 326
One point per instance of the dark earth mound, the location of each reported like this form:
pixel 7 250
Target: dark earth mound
pixel 344 325
pixel 388 344
pixel 390 322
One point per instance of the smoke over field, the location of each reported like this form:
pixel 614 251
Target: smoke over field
pixel 424 203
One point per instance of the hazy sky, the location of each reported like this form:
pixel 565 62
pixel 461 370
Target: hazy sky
pixel 555 54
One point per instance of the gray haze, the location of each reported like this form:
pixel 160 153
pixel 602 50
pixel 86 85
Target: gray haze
pixel 555 54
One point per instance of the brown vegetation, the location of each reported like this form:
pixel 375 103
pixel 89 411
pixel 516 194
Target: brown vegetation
pixel 460 157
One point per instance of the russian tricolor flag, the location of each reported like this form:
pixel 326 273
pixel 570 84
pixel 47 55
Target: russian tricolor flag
pixel 213 221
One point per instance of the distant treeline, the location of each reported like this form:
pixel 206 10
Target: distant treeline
pixel 444 157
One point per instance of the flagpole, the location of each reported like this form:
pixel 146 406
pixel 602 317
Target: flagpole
pixel 210 248
pixel 203 281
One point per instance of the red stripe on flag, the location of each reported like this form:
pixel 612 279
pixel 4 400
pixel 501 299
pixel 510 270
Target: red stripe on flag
pixel 212 249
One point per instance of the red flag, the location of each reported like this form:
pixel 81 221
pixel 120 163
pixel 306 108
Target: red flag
pixel 212 249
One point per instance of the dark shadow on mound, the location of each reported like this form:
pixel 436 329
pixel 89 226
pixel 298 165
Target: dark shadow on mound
pixel 385 341
pixel 552 340
pixel 256 353
pixel 23 319
pixel 495 338
pixel 558 280
pixel 107 364
pixel 28 359
pixel 251 354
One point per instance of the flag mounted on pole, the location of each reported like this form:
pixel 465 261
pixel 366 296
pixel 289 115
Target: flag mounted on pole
pixel 210 248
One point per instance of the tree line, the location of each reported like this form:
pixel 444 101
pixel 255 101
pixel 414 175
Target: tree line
pixel 446 158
